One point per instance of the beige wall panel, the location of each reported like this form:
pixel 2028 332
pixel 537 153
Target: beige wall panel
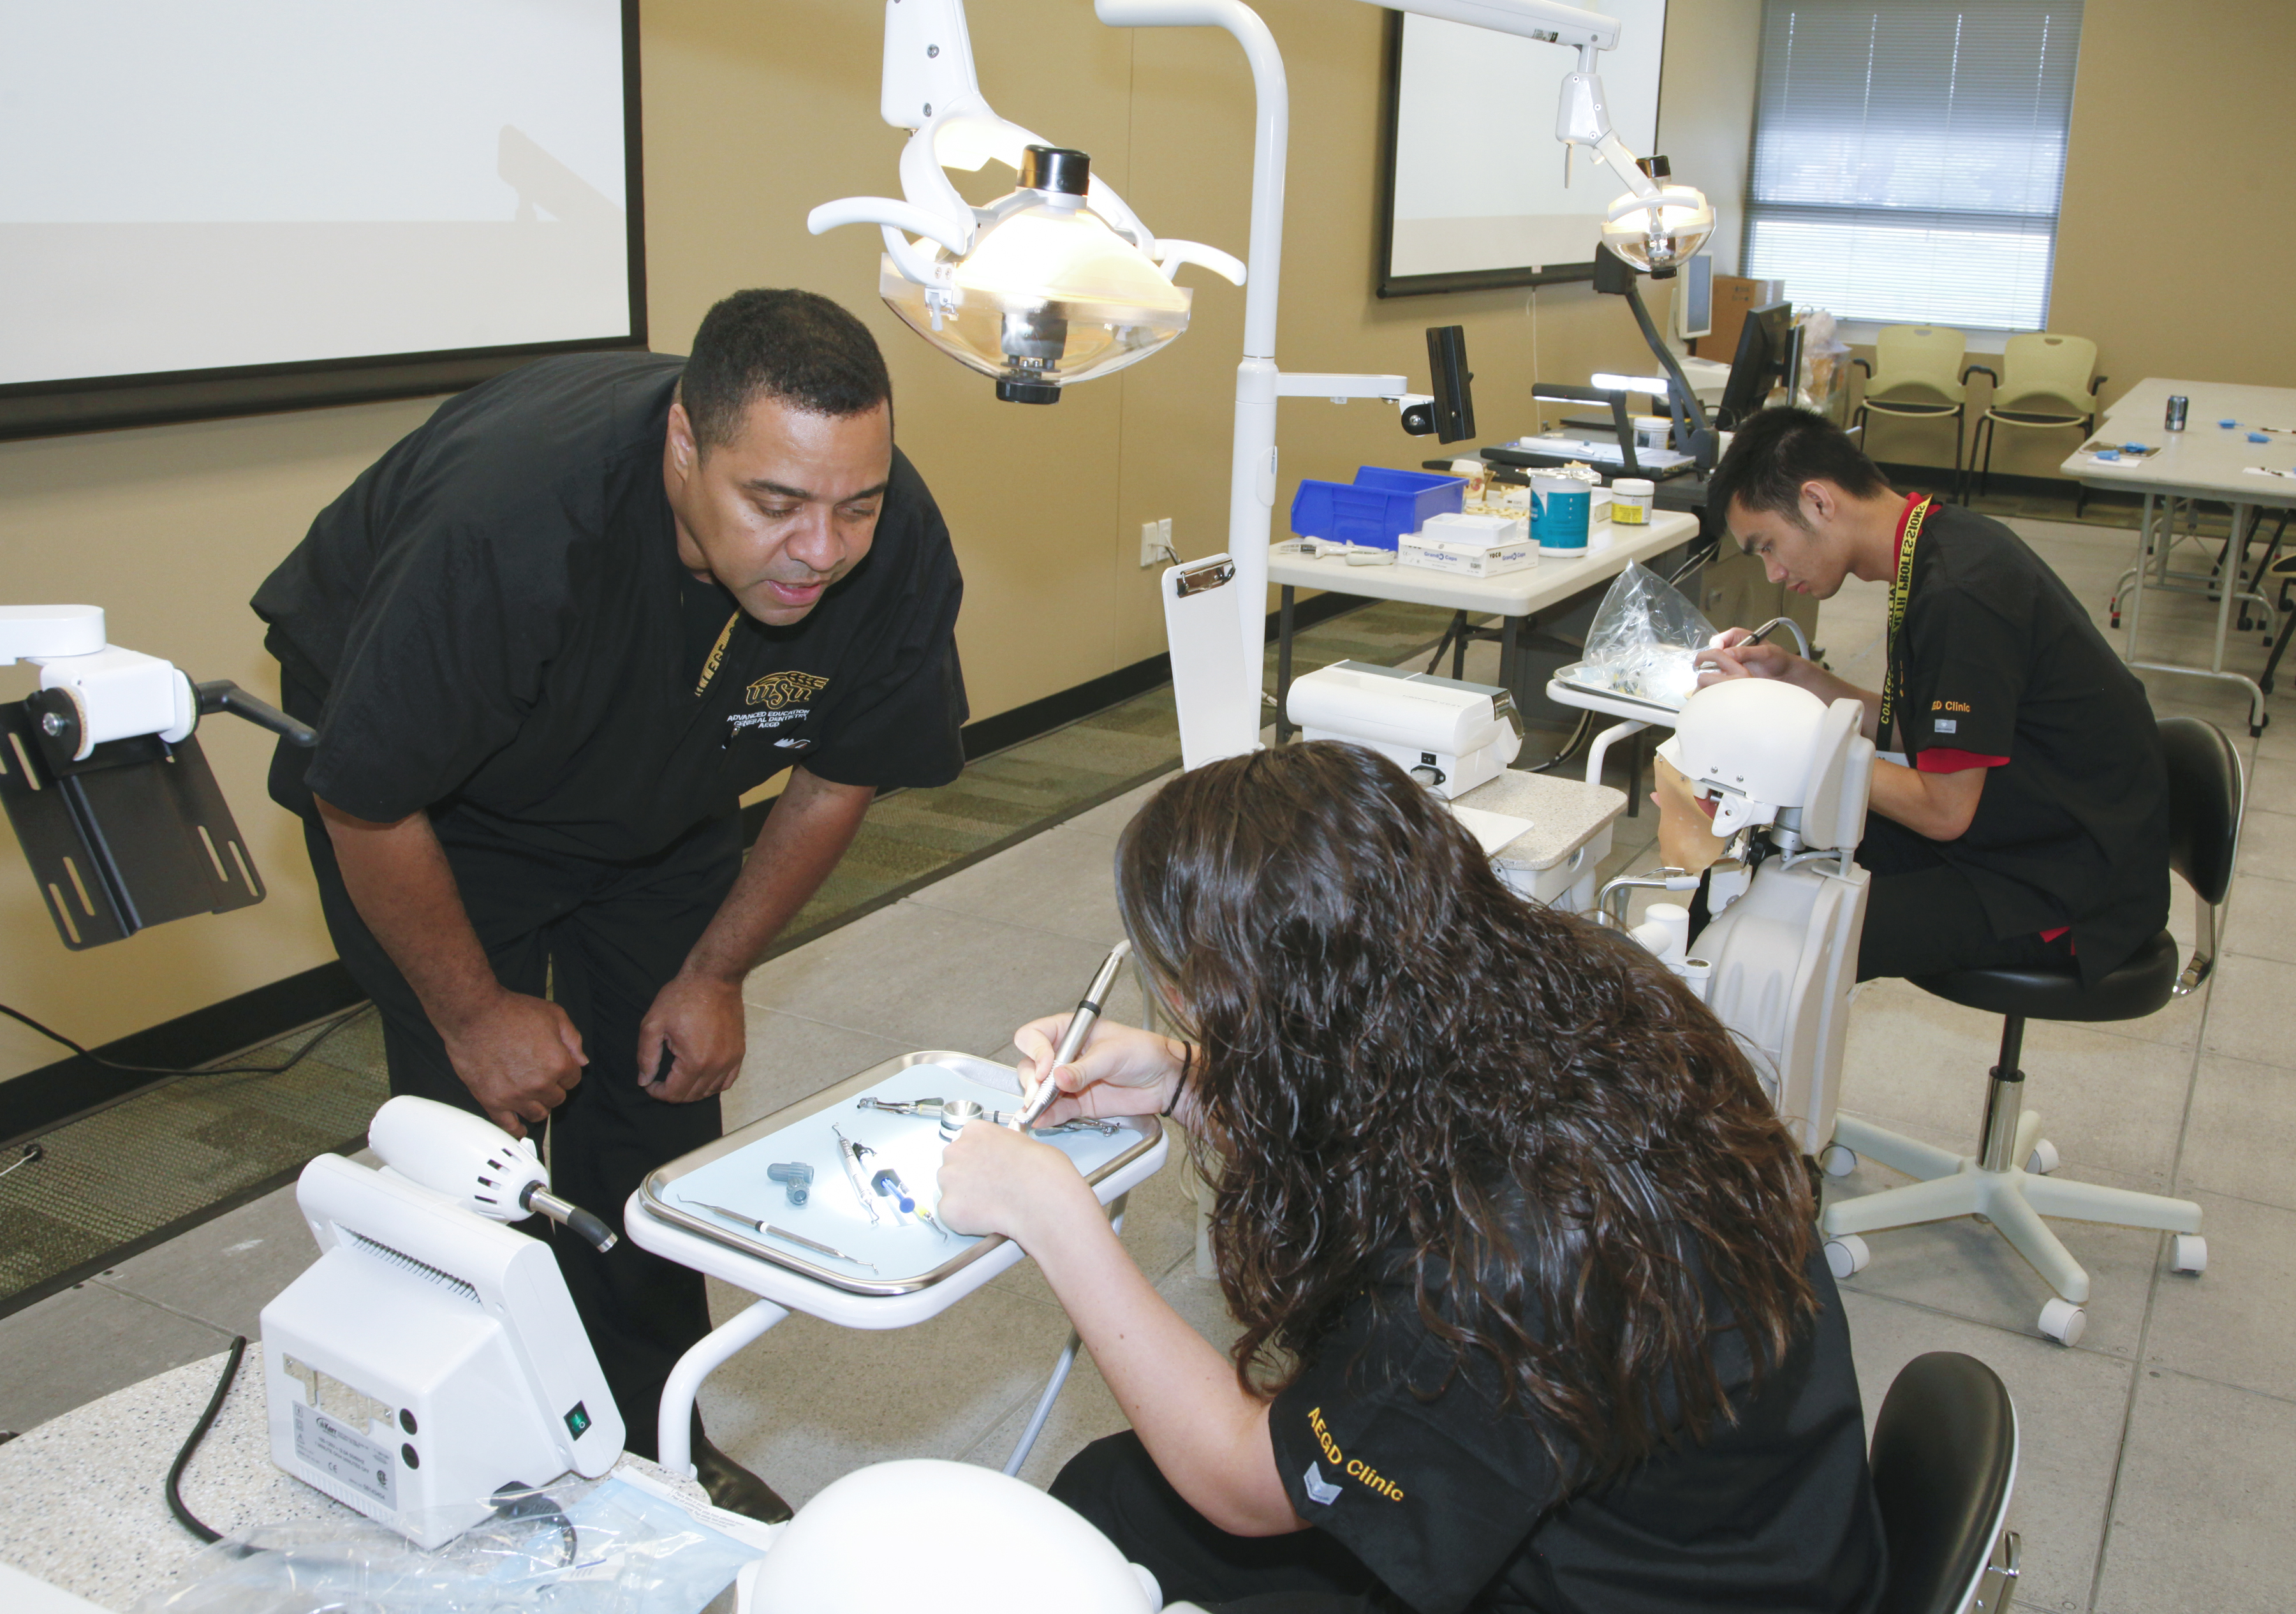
pixel 1706 108
pixel 2150 264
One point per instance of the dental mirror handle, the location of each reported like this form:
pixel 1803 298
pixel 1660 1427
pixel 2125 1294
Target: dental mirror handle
pixel 1072 1040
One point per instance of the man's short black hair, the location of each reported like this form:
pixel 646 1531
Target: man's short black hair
pixel 1778 450
pixel 795 346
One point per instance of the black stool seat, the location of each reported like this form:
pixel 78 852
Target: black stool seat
pixel 2054 991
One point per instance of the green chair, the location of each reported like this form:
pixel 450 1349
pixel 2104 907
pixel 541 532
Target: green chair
pixel 2047 382
pixel 1920 378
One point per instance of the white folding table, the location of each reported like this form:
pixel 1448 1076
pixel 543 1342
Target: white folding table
pixel 2205 461
pixel 1515 597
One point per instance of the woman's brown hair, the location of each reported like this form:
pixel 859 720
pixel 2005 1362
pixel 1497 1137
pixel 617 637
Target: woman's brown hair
pixel 1404 1062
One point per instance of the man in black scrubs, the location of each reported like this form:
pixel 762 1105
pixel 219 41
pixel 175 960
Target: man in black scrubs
pixel 548 640
pixel 2031 823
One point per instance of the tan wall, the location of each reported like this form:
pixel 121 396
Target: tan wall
pixel 755 111
pixel 2170 98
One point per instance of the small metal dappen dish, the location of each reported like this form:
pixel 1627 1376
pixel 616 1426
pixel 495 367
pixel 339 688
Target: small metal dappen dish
pixel 659 1194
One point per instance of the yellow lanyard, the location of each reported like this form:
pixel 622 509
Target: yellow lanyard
pixel 718 654
pixel 1900 589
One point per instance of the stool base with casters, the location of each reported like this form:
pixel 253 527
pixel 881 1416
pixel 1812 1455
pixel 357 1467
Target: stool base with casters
pixel 2008 1180
pixel 2007 1184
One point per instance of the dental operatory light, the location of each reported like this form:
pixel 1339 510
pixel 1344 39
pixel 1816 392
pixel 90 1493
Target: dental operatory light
pixel 1049 294
pixel 1659 225
pixel 1055 282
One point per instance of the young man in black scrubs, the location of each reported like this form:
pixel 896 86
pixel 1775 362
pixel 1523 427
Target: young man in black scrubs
pixel 549 639
pixel 2032 822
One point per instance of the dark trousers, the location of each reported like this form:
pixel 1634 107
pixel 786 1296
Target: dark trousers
pixel 1116 1485
pixel 600 940
pixel 1923 915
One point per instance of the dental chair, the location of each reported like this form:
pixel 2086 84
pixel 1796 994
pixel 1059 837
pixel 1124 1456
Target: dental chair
pixel 2007 1180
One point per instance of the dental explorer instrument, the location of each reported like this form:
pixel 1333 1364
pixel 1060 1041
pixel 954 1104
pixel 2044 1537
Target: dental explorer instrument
pixel 778 1232
pixel 1080 1022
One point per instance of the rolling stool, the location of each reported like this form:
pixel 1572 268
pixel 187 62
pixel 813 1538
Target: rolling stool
pixel 2006 1181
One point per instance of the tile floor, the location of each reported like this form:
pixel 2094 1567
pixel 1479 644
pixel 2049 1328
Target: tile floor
pixel 2154 1475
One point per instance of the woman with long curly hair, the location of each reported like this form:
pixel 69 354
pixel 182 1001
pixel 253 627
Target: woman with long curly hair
pixel 1531 1314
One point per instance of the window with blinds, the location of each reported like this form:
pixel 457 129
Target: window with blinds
pixel 1908 155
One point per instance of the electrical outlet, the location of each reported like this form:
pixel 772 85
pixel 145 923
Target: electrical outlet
pixel 1156 543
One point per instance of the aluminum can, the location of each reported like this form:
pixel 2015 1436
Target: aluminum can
pixel 2176 408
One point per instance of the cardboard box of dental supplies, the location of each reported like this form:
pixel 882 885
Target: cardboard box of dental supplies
pixel 1470 546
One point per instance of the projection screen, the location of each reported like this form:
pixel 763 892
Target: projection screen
pixel 243 205
pixel 1476 194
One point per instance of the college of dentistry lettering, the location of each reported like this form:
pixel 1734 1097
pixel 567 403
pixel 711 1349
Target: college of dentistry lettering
pixel 779 689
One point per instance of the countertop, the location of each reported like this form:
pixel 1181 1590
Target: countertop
pixel 83 1499
pixel 1564 814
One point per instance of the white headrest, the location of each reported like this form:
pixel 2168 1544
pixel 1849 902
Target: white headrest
pixel 949 1537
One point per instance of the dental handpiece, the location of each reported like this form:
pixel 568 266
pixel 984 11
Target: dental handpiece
pixel 850 1154
pixel 1080 1024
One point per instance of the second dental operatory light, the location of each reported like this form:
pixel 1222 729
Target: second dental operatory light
pixel 1056 282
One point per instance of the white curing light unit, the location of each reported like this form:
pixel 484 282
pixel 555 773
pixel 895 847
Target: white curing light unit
pixel 1450 736
pixel 431 1358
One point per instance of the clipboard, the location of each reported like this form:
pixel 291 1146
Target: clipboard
pixel 1217 695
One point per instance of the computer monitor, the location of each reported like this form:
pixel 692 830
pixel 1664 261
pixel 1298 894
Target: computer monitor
pixel 1694 297
pixel 1763 360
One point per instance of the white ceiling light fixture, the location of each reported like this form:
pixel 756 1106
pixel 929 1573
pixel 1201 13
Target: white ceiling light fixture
pixel 1056 282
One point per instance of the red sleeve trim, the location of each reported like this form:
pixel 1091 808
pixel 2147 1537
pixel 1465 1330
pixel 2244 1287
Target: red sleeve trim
pixel 1942 759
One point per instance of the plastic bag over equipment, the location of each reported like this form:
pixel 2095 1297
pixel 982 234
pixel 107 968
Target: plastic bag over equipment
pixel 1644 639
pixel 580 1547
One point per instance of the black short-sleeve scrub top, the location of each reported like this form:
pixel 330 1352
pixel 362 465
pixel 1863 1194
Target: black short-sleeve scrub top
pixel 496 617
pixel 1998 666
pixel 1456 1505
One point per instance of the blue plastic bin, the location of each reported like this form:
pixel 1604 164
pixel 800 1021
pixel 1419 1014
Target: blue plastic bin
pixel 1377 508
